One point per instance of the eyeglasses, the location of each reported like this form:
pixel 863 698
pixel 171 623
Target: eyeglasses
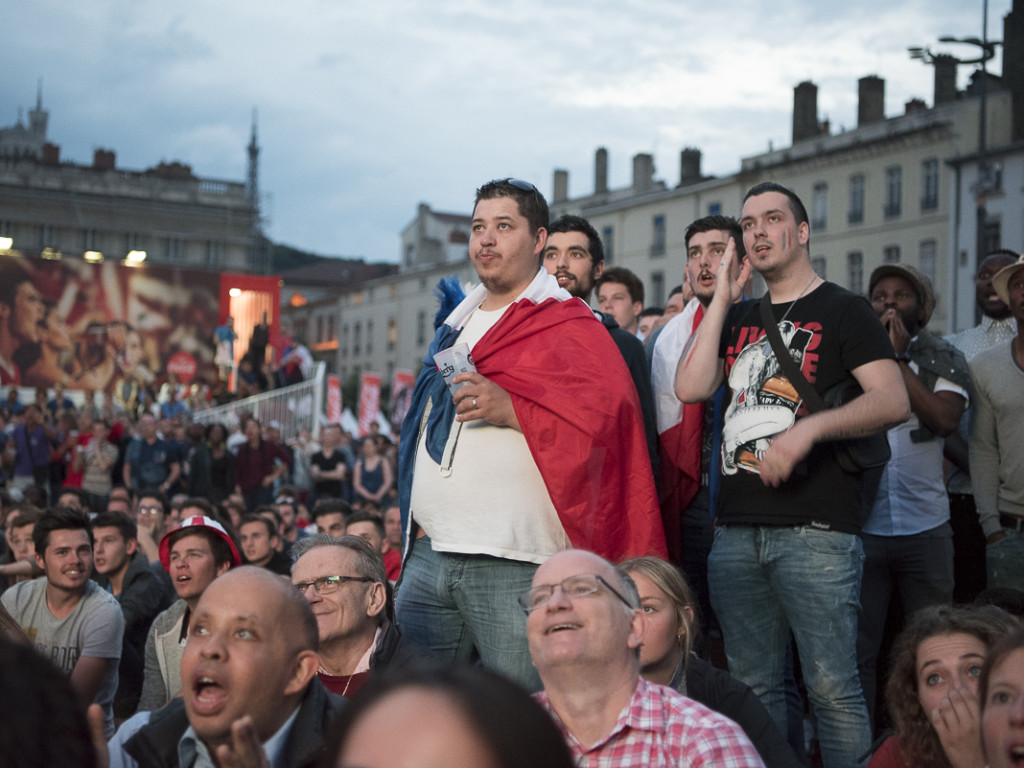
pixel 326 585
pixel 151 510
pixel 572 587
pixel 517 183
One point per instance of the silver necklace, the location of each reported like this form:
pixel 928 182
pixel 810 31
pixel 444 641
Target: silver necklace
pixel 790 308
pixel 766 350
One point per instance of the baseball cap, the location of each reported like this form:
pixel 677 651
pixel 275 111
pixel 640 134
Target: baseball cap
pixel 922 286
pixel 197 521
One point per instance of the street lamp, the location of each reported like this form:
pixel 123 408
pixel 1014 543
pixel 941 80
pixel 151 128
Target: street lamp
pixel 985 183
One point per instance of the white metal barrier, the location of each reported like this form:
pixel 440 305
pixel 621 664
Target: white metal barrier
pixel 296 407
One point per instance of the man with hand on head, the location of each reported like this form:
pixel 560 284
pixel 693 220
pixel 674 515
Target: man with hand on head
pixel 585 629
pixel 786 550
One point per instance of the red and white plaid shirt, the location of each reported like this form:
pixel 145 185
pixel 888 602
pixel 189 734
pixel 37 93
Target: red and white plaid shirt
pixel 660 727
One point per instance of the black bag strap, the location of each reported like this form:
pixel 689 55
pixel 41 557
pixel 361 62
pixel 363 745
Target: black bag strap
pixel 796 377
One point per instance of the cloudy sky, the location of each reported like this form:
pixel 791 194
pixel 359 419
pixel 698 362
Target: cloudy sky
pixel 368 107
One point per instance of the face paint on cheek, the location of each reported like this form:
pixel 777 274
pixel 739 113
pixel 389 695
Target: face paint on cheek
pixel 785 241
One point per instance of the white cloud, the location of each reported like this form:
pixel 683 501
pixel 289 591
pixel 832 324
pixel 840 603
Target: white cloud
pixel 367 108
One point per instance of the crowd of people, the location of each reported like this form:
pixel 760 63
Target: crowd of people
pixel 728 532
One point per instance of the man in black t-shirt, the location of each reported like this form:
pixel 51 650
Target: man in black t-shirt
pixel 328 466
pixel 787 555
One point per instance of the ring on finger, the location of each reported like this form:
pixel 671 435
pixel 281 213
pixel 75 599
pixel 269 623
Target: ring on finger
pixel 474 403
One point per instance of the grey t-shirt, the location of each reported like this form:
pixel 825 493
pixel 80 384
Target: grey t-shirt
pixel 93 628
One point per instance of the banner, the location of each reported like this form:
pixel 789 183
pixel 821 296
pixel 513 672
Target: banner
pixel 333 400
pixel 369 401
pixel 97 326
pixel 401 396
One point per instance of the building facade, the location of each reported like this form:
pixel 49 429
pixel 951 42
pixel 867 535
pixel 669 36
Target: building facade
pixel 57 208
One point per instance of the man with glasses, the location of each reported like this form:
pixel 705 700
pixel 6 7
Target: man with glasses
pixel 541 447
pixel 344 580
pixel 585 629
pixel 151 519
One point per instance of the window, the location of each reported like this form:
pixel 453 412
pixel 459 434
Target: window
pixel 893 191
pixel 715 209
pixel 818 263
pixel 819 206
pixel 410 254
pixel 658 235
pixel 369 337
pixel 357 338
pixel 856 212
pixel 131 241
pixel 89 240
pixel 991 236
pixel 392 333
pixel 46 238
pixel 855 272
pixel 928 259
pixel 172 248
pixel 891 254
pixel 607 238
pixel 319 329
pixel 331 335
pixel 657 295
pixel 344 340
pixel 930 184
pixel 421 327
pixel 212 253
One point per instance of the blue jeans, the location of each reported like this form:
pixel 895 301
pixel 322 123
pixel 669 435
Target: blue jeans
pixel 456 604
pixel 1005 561
pixel 766 581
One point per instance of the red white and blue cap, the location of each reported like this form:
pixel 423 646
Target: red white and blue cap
pixel 197 521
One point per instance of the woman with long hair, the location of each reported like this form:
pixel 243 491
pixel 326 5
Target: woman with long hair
pixel 932 690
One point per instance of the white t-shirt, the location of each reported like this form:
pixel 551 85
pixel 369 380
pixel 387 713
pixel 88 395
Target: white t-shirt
pixel 492 499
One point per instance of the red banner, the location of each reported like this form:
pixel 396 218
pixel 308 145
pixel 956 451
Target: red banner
pixel 369 401
pixel 333 400
pixel 401 396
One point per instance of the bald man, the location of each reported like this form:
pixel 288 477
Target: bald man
pixel 585 629
pixel 249 690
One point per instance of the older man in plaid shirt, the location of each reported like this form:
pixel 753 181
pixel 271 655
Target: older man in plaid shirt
pixel 585 629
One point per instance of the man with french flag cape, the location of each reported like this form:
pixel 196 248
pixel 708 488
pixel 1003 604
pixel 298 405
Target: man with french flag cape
pixel 540 449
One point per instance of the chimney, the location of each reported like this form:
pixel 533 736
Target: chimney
pixel 689 166
pixel 643 172
pixel 871 100
pixel 561 186
pixel 103 160
pixel 945 78
pixel 600 171
pixel 805 111
pixel 915 105
pixel 1013 66
pixel 51 154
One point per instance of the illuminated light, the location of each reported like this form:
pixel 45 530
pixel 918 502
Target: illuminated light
pixel 93 256
pixel 298 300
pixel 51 253
pixel 135 257
pixel 6 243
pixel 235 293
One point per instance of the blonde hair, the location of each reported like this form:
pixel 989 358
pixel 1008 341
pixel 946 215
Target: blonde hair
pixel 670 580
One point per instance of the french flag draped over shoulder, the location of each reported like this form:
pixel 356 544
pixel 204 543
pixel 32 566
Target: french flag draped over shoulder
pixel 578 410
pixel 680 425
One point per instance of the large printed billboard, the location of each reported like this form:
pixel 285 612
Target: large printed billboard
pixel 98 325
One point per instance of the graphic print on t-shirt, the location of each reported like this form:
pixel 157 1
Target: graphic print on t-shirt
pixel 764 402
